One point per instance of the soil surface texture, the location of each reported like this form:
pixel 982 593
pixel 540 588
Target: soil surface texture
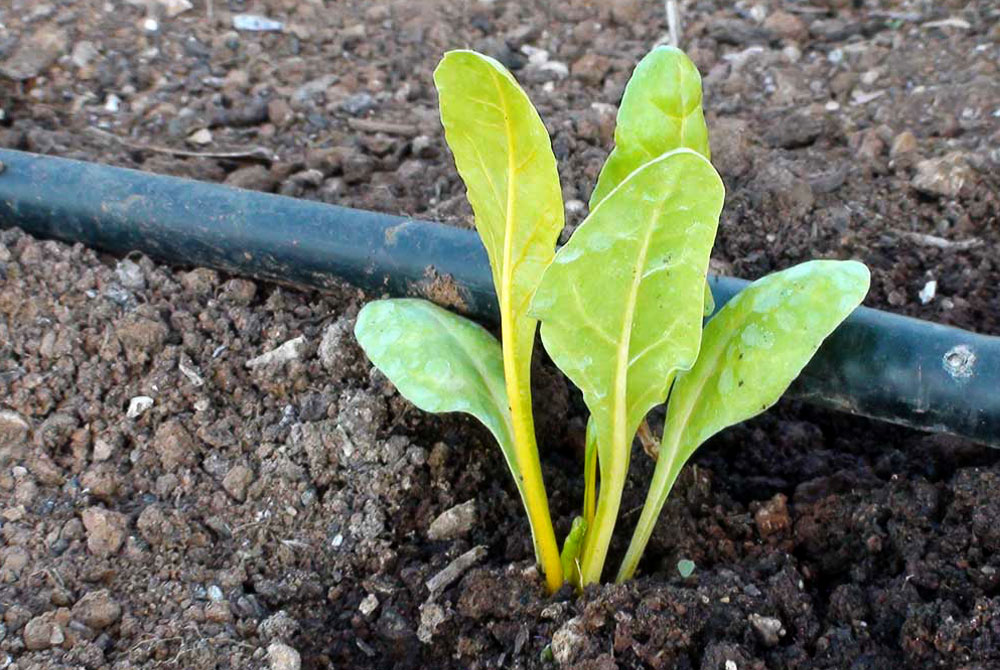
pixel 202 471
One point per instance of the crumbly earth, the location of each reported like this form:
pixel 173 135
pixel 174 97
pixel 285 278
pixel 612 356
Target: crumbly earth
pixel 168 498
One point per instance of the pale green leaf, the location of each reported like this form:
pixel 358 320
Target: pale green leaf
pixel 621 309
pixel 503 154
pixel 621 306
pixel 439 361
pixel 757 344
pixel 660 111
pixel 751 351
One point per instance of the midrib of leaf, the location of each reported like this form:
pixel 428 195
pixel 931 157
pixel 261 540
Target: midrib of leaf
pixel 599 537
pixel 625 342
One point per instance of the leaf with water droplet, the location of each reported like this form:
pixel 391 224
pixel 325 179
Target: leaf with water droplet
pixel 751 351
pixel 633 305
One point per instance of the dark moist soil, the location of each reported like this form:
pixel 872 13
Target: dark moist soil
pixel 170 499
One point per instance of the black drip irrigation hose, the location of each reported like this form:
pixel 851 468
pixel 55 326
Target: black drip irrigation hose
pixel 877 364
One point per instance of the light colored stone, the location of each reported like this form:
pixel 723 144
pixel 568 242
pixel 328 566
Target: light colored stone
pixel 368 605
pixel 769 630
pixel 568 641
pixel 97 609
pixel 454 522
pixel 289 351
pixel 136 407
pixel 105 530
pixel 432 615
pixel 282 657
pixel 943 176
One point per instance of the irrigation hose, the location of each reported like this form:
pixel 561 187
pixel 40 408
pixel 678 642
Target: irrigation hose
pixel 881 365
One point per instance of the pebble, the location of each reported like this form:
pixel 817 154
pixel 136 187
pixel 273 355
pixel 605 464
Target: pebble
pixel 787 26
pixel 568 641
pixel 42 632
pixel 112 103
pixel 772 518
pixel 35 54
pixel 903 143
pixel 252 178
pixel 928 292
pixel 173 444
pixel 97 609
pixel 454 522
pixel 236 482
pixel 768 630
pixel 279 112
pixel 13 433
pixel 282 657
pixel 278 626
pixel 84 53
pixel 200 137
pixel 794 131
pixel 172 8
pixel 256 23
pixel 943 176
pixel 136 407
pixel 130 275
pixel 291 350
pixel 369 604
pixel 432 615
pixel 105 530
pixel 358 103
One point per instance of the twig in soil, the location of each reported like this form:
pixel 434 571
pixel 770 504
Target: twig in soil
pixel 939 242
pixel 388 127
pixel 454 570
pixel 253 153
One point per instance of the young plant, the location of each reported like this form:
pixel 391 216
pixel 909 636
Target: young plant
pixel 621 305
pixel 442 362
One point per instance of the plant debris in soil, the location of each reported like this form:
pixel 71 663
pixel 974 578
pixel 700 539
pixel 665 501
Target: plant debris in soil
pixel 201 471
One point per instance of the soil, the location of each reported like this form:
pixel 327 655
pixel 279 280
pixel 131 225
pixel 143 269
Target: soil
pixel 168 498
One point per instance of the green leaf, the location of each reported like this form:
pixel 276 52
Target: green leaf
pixel 621 307
pixel 751 351
pixel 441 362
pixel 503 154
pixel 660 111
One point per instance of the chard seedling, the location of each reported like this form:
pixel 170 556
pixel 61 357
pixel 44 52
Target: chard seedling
pixel 621 305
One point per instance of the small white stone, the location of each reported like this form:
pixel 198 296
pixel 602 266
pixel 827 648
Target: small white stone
pixel 112 103
pixel 928 292
pixel 136 407
pixel 200 137
pixel 369 604
pixel 150 25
